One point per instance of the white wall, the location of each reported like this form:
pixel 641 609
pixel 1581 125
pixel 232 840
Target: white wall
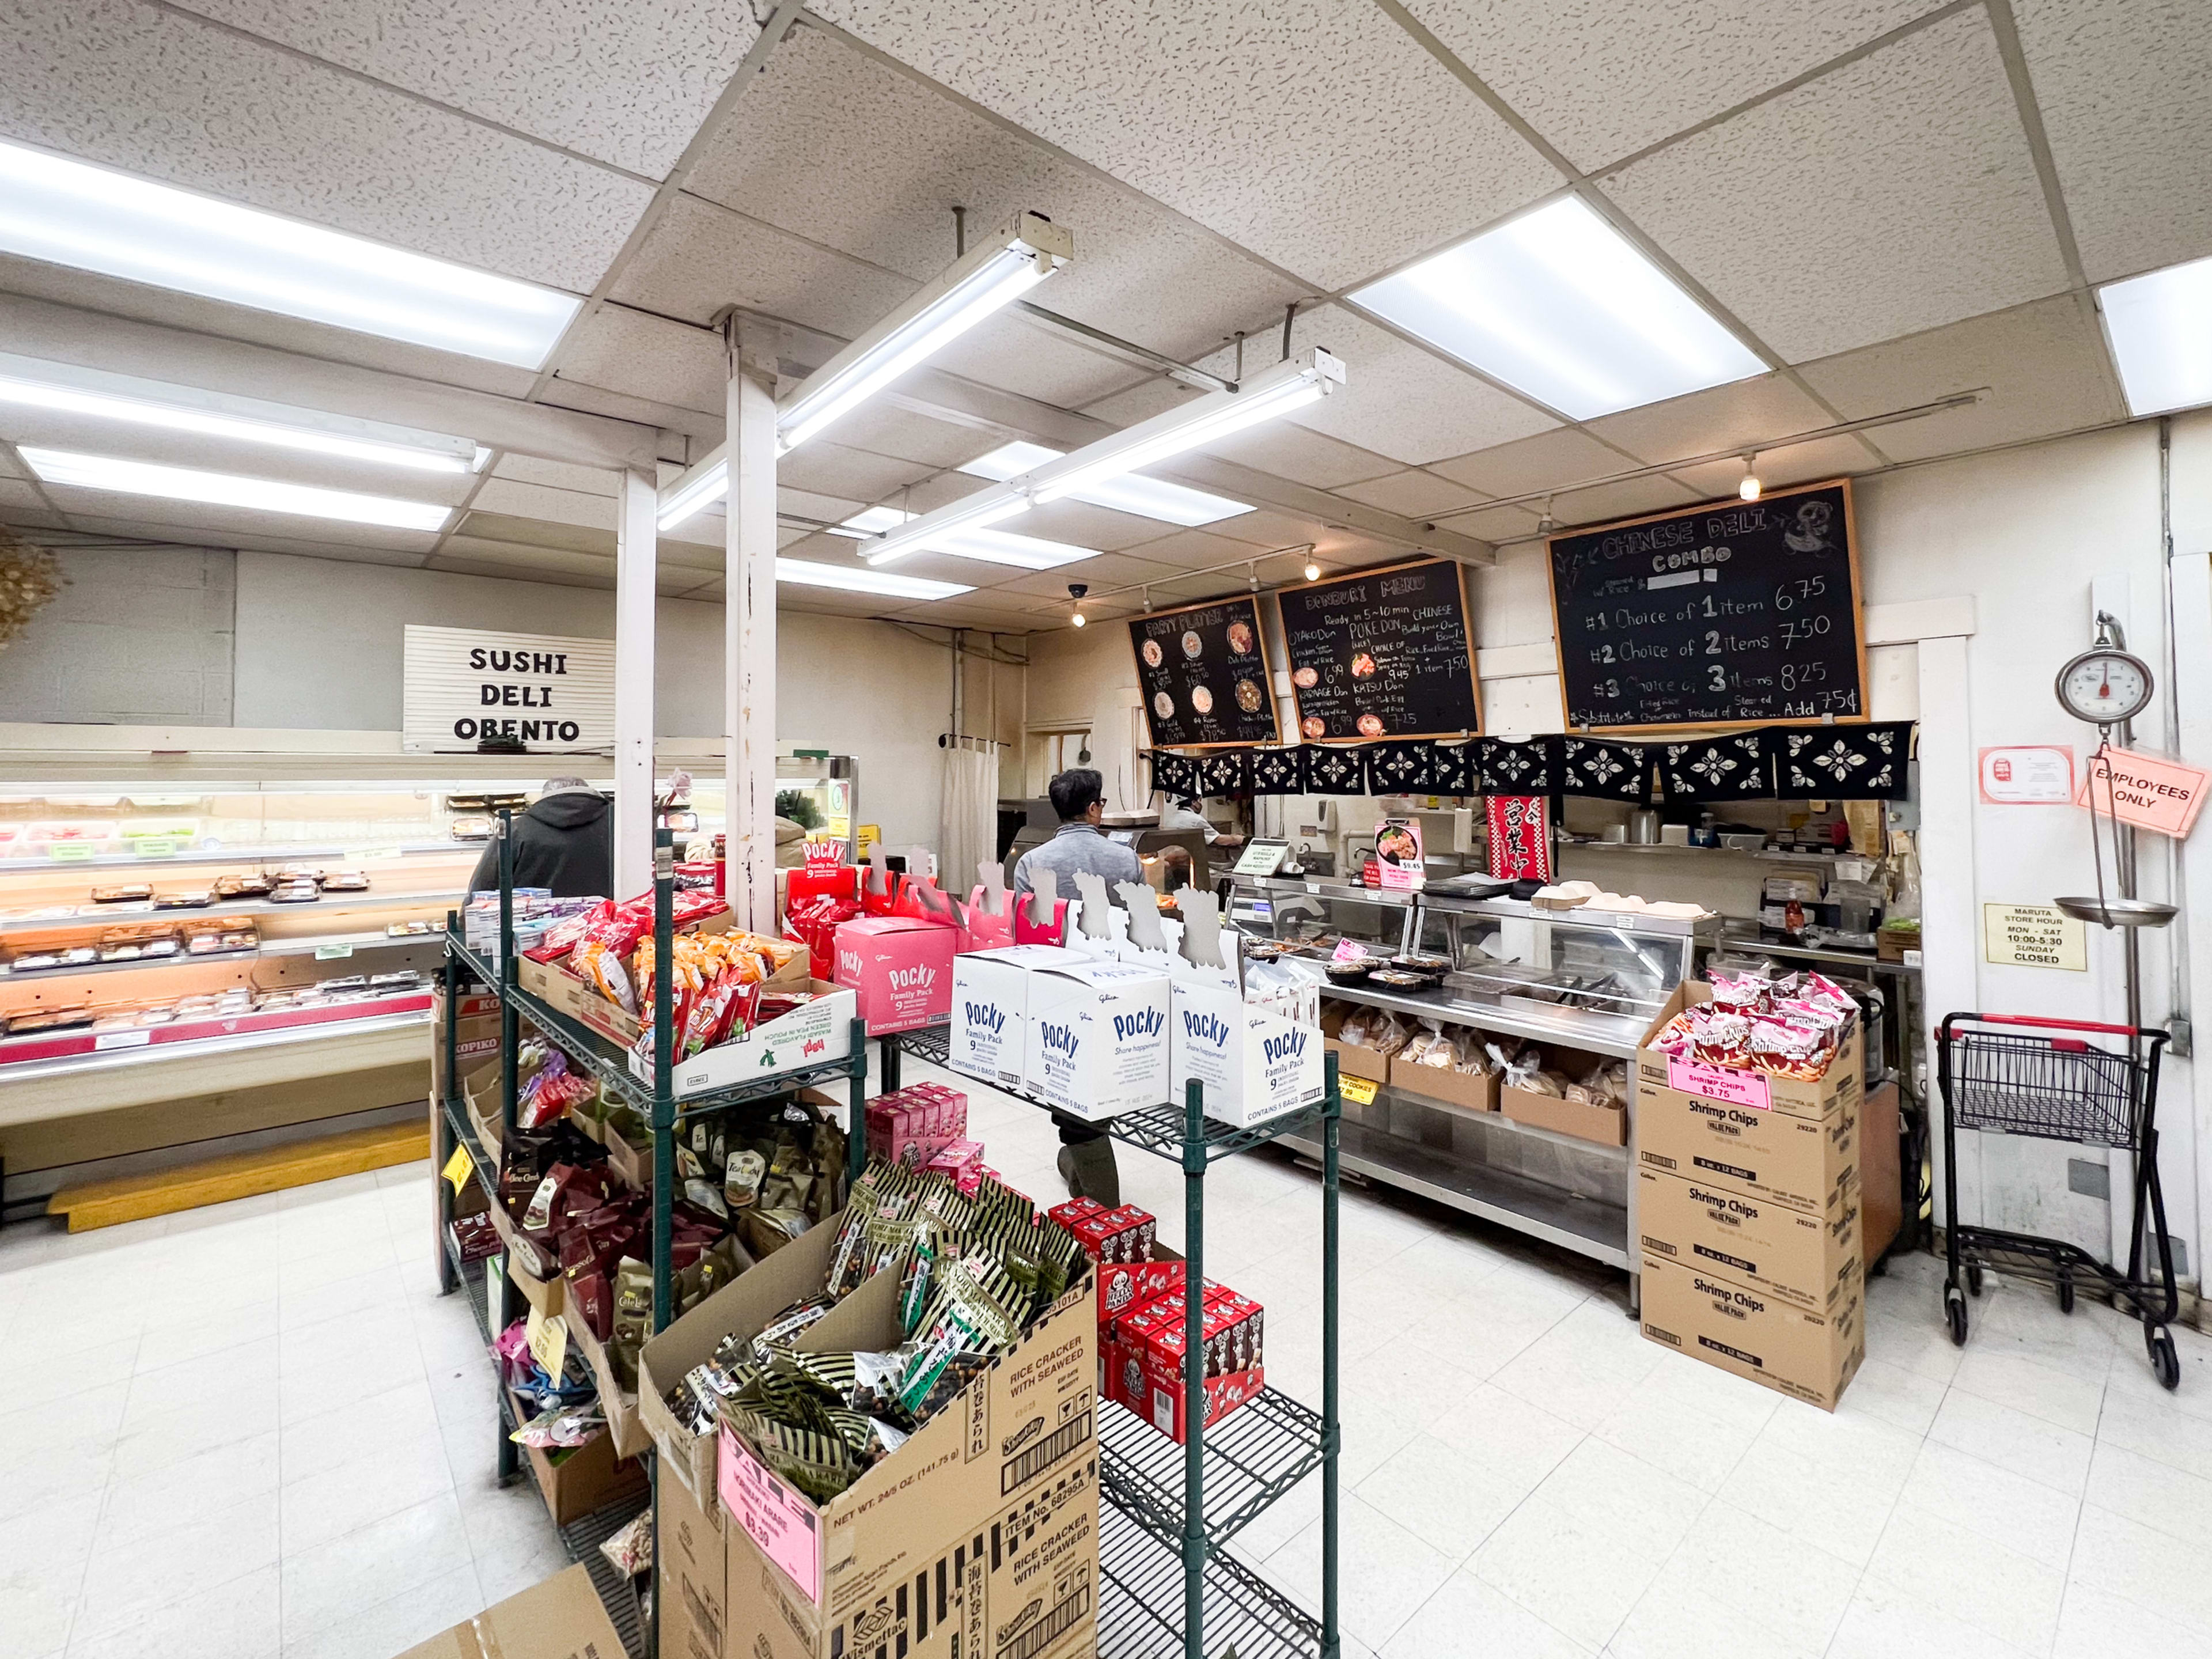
pixel 138 637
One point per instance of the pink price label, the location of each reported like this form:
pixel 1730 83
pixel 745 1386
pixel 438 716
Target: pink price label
pixel 1349 950
pixel 1721 1083
pixel 775 1517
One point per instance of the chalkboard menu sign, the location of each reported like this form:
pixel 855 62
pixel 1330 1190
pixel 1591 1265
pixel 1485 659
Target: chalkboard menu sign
pixel 1734 613
pixel 1204 672
pixel 1383 653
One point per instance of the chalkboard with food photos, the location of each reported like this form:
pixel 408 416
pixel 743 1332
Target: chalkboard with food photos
pixel 1729 614
pixel 1383 653
pixel 1204 670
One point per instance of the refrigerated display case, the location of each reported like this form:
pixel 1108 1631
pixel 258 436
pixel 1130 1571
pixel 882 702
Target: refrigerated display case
pixel 827 788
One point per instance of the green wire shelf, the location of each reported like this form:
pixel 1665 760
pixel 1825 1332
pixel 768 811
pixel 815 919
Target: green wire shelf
pixel 1254 1456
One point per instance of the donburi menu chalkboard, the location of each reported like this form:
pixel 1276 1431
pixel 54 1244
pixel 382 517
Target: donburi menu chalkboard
pixel 1733 613
pixel 1204 670
pixel 1383 653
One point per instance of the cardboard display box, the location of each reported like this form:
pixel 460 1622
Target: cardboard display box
pixel 1808 1257
pixel 1795 1160
pixel 990 1009
pixel 1468 1091
pixel 1881 1193
pixel 1808 1356
pixel 583 1478
pixel 899 969
pixel 1096 1040
pixel 689 1568
pixel 1351 1060
pixel 560 1619
pixel 1606 1126
pixel 1254 1063
pixel 1815 1098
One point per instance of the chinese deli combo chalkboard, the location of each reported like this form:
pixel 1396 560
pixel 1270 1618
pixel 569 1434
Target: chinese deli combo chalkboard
pixel 1205 675
pixel 1731 614
pixel 1383 653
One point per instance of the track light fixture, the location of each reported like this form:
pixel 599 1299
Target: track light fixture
pixel 1076 590
pixel 1749 489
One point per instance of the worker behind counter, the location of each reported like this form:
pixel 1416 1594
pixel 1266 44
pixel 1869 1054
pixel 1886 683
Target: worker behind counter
pixel 563 844
pixel 1078 796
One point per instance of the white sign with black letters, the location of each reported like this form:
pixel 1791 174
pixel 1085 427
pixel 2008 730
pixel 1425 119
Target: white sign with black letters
pixel 548 692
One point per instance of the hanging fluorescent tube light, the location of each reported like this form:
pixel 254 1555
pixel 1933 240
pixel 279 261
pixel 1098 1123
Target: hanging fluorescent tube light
pixel 854 581
pixel 182 483
pixel 66 389
pixel 1560 306
pixel 1289 385
pixel 694 492
pixel 986 280
pixel 1148 498
pixel 993 546
pixel 89 218
pixel 2160 328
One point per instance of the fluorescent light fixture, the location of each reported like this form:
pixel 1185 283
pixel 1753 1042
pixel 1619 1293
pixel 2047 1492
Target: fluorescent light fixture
pixel 65 389
pixel 1289 385
pixel 694 492
pixel 1148 498
pixel 852 580
pixel 69 213
pixel 989 277
pixel 2160 327
pixel 995 546
pixel 182 483
pixel 1560 305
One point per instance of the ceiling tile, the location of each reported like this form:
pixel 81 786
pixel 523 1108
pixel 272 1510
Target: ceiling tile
pixel 1497 524
pixel 619 350
pixel 148 91
pixel 558 475
pixel 531 500
pixel 1640 71
pixel 221 526
pixel 19 496
pixel 512 555
pixel 1746 412
pixel 2125 89
pixel 1631 498
pixel 1414 493
pixel 830 469
pixel 495 526
pixel 1895 194
pixel 1148 398
pixel 2044 364
pixel 627 83
pixel 701 258
pixel 1548 460
pixel 1291 451
pixel 1016 355
pixel 1317 134
pixel 518 564
pixel 841 148
pixel 1781 469
pixel 883 428
pixel 1085 526
pixel 1110 570
pixel 1268 528
pixel 673 419
pixel 1398 399
pixel 831 509
pixel 1186 550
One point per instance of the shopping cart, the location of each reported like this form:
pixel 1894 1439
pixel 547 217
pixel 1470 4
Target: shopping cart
pixel 2055 1084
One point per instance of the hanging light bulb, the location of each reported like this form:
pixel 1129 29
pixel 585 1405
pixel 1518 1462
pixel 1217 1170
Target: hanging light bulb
pixel 1148 601
pixel 1077 619
pixel 1251 577
pixel 1313 570
pixel 1749 489
pixel 1076 590
pixel 1547 525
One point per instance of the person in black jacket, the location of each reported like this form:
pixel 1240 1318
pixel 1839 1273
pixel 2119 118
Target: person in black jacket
pixel 563 842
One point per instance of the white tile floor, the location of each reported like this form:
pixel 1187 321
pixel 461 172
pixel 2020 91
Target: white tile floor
pixel 256 1429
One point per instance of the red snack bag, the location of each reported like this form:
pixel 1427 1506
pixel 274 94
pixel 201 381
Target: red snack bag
pixel 563 935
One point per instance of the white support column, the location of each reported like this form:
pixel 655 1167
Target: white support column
pixel 749 652
pixel 637 549
pixel 2191 576
pixel 1950 942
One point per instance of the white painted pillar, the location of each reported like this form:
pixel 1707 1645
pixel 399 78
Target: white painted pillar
pixel 2191 576
pixel 749 648
pixel 1950 941
pixel 637 549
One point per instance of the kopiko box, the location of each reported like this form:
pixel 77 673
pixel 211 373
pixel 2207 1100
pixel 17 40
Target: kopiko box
pixel 1808 1356
pixel 1808 1257
pixel 1012 1462
pixel 1096 1043
pixel 990 1008
pixel 900 969
pixel 911 1125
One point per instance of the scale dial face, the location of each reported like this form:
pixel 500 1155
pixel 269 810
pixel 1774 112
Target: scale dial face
pixel 2105 687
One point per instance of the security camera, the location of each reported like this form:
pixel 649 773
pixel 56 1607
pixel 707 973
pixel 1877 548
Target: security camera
pixel 1077 590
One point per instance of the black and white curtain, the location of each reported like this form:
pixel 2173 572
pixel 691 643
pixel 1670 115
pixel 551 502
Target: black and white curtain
pixel 1605 771
pixel 1332 771
pixel 1175 775
pixel 1515 769
pixel 1279 771
pixel 1733 767
pixel 1401 768
pixel 1846 762
pixel 1223 772
pixel 1455 769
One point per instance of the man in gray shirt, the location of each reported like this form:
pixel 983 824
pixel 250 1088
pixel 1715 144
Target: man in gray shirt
pixel 1086 1157
pixel 1079 798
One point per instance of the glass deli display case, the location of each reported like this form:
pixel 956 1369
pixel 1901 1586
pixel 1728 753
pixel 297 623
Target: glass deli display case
pixel 1511 1004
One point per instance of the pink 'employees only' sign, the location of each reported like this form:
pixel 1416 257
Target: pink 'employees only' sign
pixel 2143 790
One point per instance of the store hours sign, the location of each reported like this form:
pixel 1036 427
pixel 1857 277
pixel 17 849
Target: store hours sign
pixel 548 692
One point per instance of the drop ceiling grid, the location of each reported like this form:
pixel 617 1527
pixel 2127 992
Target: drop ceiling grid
pixel 117 83
pixel 1897 194
pixel 1291 123
pixel 628 84
pixel 2126 90
pixel 1645 72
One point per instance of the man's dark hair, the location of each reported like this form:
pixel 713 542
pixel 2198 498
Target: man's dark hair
pixel 1074 791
